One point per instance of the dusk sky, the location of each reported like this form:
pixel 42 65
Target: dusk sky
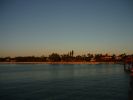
pixel 40 27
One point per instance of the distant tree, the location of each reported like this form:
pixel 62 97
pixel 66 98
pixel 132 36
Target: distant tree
pixel 65 57
pixel 98 57
pixel 123 56
pixel 84 57
pixel 106 54
pixel 72 52
pixel 2 59
pixel 89 56
pixel 78 58
pixel 54 57
pixel 113 57
pixel 43 58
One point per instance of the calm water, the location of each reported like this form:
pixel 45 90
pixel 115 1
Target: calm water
pixel 63 82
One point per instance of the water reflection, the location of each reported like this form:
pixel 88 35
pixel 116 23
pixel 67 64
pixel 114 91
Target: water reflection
pixel 63 82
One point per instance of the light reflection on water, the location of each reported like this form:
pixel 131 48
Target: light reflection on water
pixel 63 82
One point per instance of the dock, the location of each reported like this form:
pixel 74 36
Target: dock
pixel 131 87
pixel 128 67
pixel 128 63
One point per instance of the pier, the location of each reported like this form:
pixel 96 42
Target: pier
pixel 128 67
pixel 131 87
pixel 128 63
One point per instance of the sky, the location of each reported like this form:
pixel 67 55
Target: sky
pixel 40 27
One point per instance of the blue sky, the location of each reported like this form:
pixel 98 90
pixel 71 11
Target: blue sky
pixel 39 27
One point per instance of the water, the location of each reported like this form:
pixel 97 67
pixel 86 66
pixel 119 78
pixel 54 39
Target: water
pixel 63 82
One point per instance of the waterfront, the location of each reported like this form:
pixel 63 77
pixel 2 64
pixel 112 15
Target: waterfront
pixel 63 82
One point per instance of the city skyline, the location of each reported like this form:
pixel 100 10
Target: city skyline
pixel 40 27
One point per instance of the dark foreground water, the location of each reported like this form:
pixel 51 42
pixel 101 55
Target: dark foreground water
pixel 63 82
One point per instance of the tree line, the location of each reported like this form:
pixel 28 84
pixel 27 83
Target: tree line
pixel 69 57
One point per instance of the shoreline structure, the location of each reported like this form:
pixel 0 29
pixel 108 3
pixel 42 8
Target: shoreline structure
pixel 59 62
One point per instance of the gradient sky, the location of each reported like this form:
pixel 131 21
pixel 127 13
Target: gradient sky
pixel 39 27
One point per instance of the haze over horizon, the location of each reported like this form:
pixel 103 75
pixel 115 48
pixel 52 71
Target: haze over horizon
pixel 40 27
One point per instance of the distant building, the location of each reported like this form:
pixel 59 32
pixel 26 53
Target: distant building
pixel 8 60
pixel 118 58
pixel 12 60
pixel 92 60
pixel 106 58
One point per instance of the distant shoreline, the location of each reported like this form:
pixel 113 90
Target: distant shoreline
pixel 58 62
